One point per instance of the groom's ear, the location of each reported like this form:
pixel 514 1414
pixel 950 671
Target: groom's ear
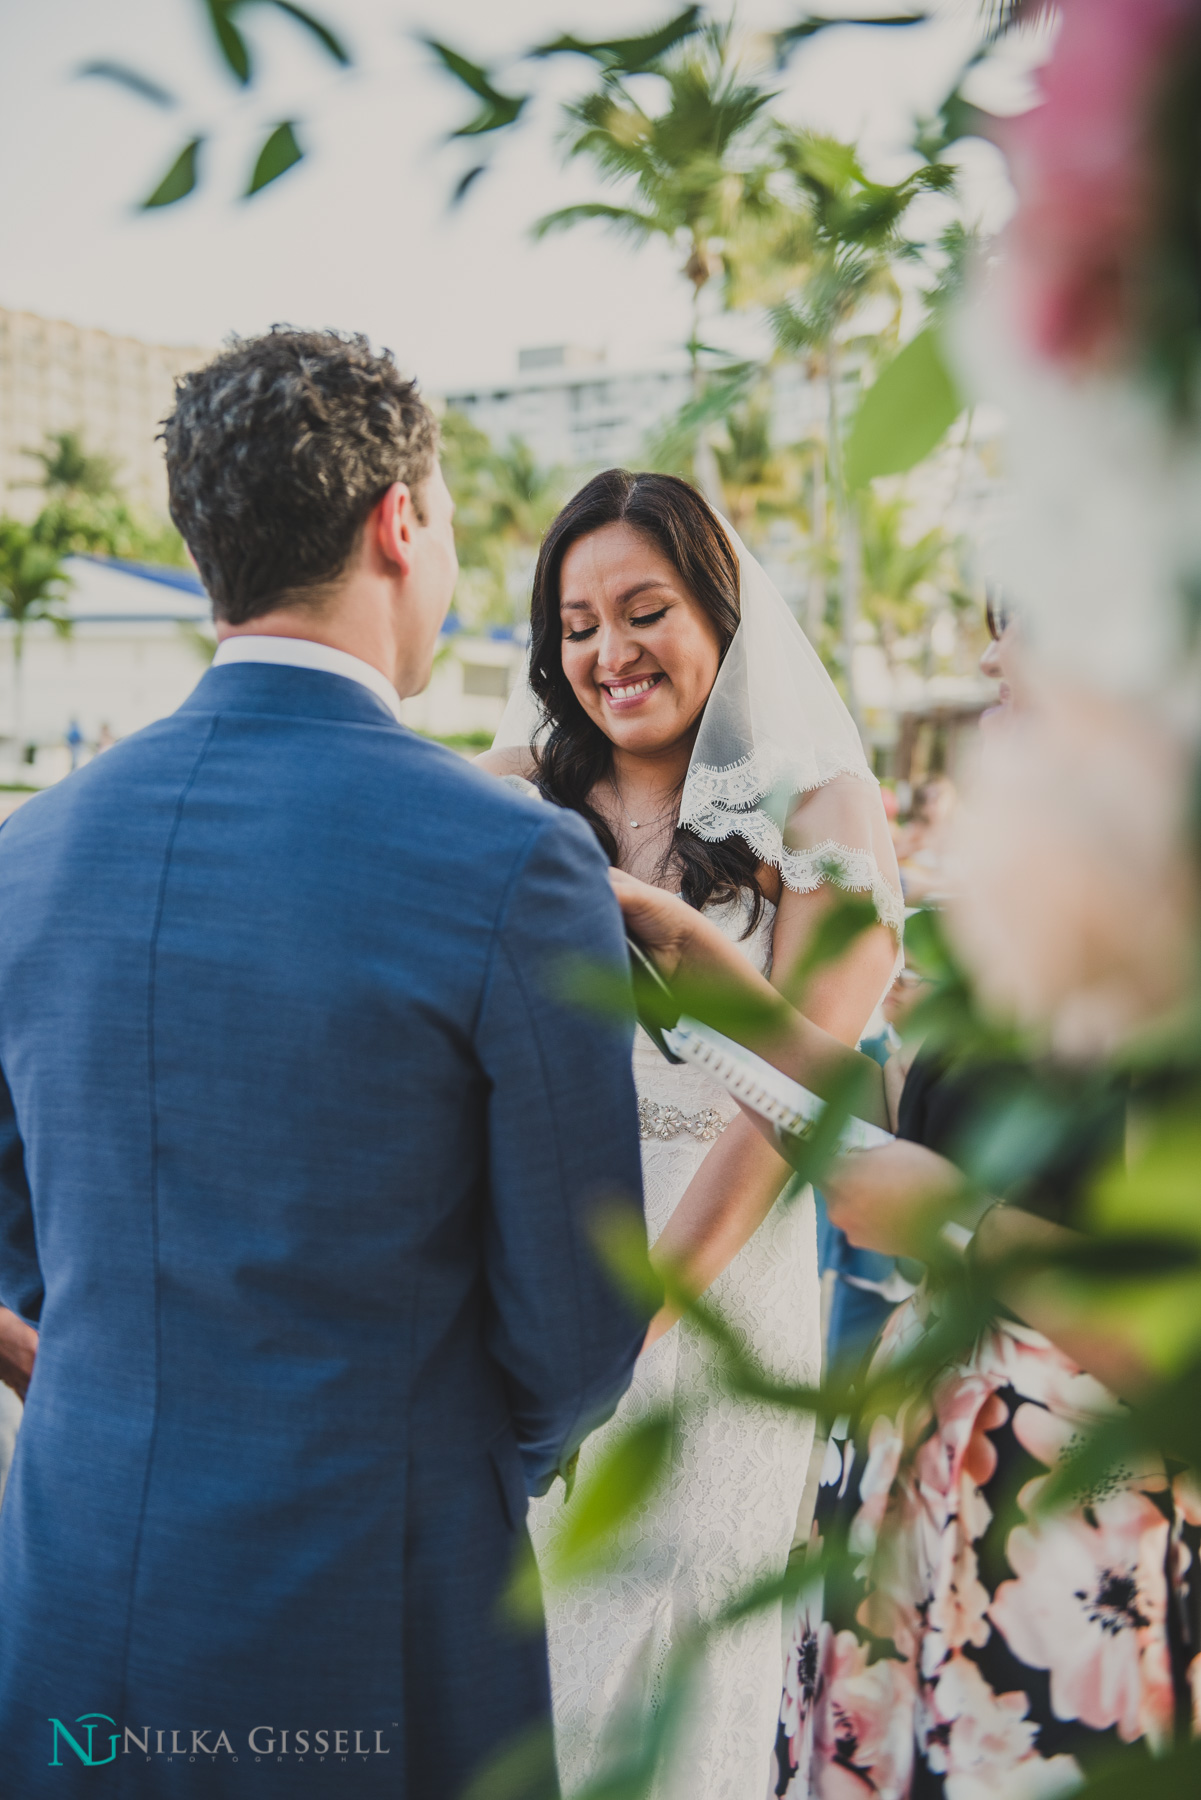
pixel 391 525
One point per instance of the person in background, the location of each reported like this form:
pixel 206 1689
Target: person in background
pixel 922 849
pixel 861 1287
pixel 75 742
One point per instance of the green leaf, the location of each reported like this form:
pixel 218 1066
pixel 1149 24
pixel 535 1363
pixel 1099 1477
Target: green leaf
pixel 629 56
pixel 613 1490
pixel 180 178
pixel 906 412
pixel 619 1235
pixel 280 153
pixel 133 79
pixel 522 1769
pixel 230 41
pixel 1133 1774
pixel 498 110
pixel 812 1154
pixel 320 31
pixel 836 931
pixel 725 1005
pixel 1156 1192
pixel 466 181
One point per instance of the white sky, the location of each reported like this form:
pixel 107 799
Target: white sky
pixel 360 235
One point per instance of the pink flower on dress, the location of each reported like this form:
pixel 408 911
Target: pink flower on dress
pixel 801 1671
pixel 1186 1495
pixel 985 1746
pixel 1088 1605
pixel 959 1457
pixel 958 1613
pixel 864 1722
pixel 884 1448
pixel 1038 1370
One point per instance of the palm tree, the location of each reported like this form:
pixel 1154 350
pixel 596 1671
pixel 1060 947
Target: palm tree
pixel 827 248
pixel 86 512
pixel 504 501
pixel 70 472
pixel 899 572
pixel 33 585
pixel 691 170
pixel 761 480
pixel 525 494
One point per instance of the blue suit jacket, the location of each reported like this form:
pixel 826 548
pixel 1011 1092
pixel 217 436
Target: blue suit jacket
pixel 297 1156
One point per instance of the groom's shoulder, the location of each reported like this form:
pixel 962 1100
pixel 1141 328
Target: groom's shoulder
pixel 449 787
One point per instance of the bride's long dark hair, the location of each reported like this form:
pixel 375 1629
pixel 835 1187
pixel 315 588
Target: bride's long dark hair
pixel 575 754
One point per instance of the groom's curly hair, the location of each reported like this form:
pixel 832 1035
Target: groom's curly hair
pixel 277 450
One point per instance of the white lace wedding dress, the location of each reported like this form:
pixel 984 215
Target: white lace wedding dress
pixel 724 1515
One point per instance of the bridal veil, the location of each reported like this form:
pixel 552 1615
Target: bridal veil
pixel 777 760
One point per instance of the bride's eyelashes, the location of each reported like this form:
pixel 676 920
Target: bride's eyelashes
pixel 577 637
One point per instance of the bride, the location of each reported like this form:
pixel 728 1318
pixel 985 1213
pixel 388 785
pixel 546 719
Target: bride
pixel 674 702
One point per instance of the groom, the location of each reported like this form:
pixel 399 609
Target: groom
pixel 298 1154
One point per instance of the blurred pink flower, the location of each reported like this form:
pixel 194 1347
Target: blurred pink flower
pixel 985 1746
pixel 1083 163
pixel 1077 910
pixel 864 1722
pixel 884 1446
pixel 1088 1605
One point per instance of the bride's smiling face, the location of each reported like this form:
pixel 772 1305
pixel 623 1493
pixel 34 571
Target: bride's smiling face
pixel 640 651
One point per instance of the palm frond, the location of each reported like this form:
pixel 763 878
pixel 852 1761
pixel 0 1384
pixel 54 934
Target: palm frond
pixel 625 219
pixel 629 56
pixel 793 36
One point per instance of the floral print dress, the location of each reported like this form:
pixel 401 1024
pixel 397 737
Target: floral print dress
pixel 976 1647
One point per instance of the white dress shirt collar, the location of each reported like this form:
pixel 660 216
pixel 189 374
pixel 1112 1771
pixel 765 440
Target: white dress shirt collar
pixel 303 653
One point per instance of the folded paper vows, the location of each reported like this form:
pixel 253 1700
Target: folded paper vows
pixel 788 1106
pixel 792 1109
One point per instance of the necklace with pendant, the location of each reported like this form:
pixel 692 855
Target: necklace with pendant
pixel 634 824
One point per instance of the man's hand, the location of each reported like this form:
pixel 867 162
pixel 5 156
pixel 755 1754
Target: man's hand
pixel 18 1348
pixel 890 1199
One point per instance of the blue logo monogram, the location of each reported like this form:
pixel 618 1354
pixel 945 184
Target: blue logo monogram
pixel 88 1721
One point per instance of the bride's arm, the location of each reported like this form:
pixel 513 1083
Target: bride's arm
pixel 684 942
pixel 742 1177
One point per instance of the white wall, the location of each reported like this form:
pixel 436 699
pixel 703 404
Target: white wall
pixel 124 676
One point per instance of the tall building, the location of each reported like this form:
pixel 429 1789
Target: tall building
pixel 572 410
pixel 112 390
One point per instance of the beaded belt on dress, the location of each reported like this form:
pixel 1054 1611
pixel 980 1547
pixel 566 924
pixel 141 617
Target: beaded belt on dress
pixel 658 1121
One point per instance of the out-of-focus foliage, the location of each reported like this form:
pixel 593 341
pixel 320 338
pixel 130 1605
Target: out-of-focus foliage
pixel 904 415
pixel 504 501
pixel 33 584
pixel 86 511
pixel 280 149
